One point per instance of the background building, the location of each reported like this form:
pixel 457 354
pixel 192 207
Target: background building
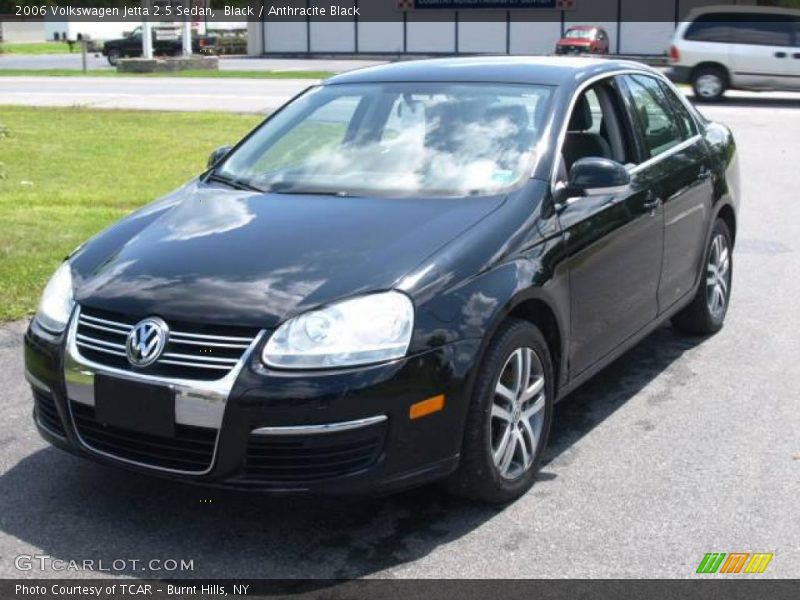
pixel 634 27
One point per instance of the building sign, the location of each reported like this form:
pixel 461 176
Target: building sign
pixel 486 4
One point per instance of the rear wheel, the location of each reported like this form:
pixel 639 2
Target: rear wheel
pixel 113 57
pixel 706 313
pixel 709 83
pixel 509 417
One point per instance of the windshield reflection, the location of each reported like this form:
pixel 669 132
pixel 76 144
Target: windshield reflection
pixel 396 139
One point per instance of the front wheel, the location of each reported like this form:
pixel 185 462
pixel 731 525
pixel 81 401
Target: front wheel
pixel 706 313
pixel 509 417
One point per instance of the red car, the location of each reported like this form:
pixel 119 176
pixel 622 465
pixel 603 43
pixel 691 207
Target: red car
pixel 582 39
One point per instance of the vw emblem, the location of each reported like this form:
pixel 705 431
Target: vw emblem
pixel 146 341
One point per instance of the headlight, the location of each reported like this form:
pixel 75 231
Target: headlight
pixel 363 330
pixel 56 304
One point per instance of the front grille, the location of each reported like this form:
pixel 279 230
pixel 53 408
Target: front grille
pixel 306 458
pixel 193 351
pixel 46 413
pixel 190 449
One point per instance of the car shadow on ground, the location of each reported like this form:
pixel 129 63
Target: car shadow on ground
pixel 76 510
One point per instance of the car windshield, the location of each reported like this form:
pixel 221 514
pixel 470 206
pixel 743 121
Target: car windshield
pixel 585 34
pixel 395 139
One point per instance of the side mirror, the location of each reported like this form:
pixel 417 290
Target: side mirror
pixel 217 155
pixel 597 177
pixel 592 176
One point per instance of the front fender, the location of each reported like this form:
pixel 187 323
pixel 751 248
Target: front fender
pixel 519 287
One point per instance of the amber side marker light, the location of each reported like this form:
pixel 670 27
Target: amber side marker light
pixel 426 407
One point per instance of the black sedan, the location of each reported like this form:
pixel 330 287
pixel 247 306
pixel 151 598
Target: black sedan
pixel 392 279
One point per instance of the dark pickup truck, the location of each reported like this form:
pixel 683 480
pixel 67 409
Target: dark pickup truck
pixel 131 45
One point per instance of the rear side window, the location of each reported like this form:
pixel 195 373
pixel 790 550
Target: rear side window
pixel 661 127
pixel 741 28
pixel 688 125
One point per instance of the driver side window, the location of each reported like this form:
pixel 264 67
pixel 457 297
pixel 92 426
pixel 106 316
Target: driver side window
pixel 597 128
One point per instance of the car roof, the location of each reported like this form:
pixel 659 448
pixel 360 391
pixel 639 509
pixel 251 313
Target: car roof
pixel 583 27
pixel 543 70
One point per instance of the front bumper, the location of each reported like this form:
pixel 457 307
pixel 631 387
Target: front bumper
pixel 345 431
pixel 679 74
pixel 573 49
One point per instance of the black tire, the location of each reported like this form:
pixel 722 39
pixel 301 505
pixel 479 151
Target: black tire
pixel 113 57
pixel 478 476
pixel 709 83
pixel 698 318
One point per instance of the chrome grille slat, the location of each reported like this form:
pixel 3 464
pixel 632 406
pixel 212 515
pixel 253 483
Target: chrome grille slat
pixel 100 349
pixel 209 344
pixel 85 338
pixel 220 338
pixel 228 361
pixel 103 328
pixel 187 355
pixel 191 364
pixel 125 326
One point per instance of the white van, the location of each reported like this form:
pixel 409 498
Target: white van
pixel 737 47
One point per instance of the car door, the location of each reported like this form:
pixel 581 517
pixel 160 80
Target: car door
pixel 132 46
pixel 678 170
pixel 614 246
pixel 761 55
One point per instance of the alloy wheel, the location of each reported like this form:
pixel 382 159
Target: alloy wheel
pixel 718 276
pixel 517 414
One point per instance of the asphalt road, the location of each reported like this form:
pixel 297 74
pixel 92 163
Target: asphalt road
pixel 681 447
pixel 163 93
pixel 142 93
pixel 197 93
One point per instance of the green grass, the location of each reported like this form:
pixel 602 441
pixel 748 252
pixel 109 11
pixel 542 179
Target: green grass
pixel 192 73
pixel 66 173
pixel 38 48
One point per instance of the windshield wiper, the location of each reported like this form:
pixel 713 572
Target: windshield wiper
pixel 293 188
pixel 233 183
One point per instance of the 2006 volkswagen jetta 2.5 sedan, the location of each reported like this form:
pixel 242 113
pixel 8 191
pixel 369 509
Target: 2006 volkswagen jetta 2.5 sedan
pixel 392 279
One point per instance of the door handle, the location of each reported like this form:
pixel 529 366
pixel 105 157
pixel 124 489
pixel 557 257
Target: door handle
pixel 780 55
pixel 796 55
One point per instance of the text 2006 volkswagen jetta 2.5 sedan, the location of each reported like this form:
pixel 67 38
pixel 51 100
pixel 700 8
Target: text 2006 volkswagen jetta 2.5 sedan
pixel 392 279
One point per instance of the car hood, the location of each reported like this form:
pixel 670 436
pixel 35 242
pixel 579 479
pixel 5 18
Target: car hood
pixel 216 255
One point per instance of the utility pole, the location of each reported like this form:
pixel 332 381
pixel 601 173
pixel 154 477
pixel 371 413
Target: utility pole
pixel 147 32
pixel 83 53
pixel 187 30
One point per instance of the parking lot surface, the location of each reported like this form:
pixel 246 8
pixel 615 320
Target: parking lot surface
pixel 683 446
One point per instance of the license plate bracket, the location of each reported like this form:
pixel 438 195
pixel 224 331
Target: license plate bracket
pixel 142 407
